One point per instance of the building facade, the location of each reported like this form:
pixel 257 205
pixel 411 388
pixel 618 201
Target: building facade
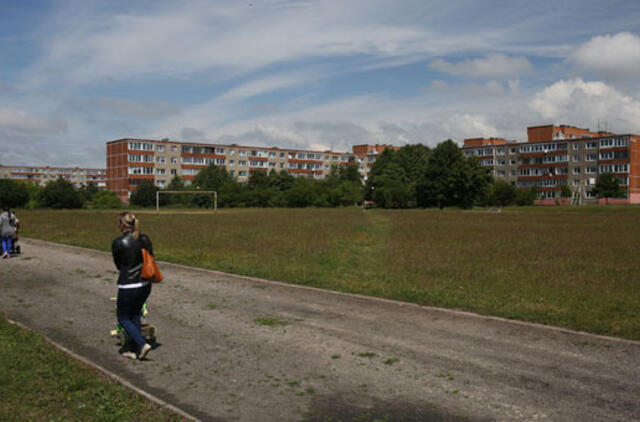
pixel 41 175
pixel 558 156
pixel 131 162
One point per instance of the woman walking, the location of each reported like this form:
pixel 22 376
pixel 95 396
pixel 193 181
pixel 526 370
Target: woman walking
pixel 7 231
pixel 133 291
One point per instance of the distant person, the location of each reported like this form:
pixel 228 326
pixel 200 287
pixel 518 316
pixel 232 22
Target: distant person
pixel 133 291
pixel 8 222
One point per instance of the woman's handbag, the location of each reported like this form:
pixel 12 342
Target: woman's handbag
pixel 150 269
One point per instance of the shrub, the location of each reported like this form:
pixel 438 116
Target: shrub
pixel 13 194
pixel 59 194
pixel 105 199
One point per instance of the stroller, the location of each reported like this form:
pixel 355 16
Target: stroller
pixel 148 330
pixel 15 246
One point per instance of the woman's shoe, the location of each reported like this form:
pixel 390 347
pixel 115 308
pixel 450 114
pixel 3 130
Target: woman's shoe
pixel 145 349
pixel 129 355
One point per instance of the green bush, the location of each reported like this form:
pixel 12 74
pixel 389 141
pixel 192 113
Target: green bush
pixel 60 194
pixel 105 199
pixel 13 194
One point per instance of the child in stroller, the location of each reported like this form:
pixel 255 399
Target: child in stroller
pixel 148 330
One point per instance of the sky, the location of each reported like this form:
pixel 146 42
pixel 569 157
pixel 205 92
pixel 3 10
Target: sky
pixel 308 74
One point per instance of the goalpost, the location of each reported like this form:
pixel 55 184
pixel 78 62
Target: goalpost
pixel 191 192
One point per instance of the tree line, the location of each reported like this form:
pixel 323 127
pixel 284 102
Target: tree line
pixel 412 176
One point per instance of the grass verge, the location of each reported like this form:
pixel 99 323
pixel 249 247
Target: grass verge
pixel 39 382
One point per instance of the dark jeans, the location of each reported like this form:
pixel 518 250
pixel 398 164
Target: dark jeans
pixel 129 304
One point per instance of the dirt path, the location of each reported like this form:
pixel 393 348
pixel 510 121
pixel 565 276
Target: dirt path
pixel 339 357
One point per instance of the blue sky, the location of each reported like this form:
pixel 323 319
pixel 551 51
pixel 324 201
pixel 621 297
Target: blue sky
pixel 307 74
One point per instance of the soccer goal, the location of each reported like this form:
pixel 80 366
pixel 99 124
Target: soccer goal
pixel 213 194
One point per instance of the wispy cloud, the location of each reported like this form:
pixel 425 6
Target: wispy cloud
pixel 492 66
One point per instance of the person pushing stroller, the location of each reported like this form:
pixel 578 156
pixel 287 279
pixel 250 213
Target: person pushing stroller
pixel 8 231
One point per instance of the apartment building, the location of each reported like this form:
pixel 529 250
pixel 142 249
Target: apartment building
pixel 557 156
pixel 42 175
pixel 134 161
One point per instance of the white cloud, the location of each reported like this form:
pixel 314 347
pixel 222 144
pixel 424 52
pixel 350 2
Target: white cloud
pixel 492 66
pixel 15 120
pixel 584 103
pixel 610 55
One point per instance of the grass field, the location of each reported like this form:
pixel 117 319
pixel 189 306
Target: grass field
pixel 571 267
pixel 38 383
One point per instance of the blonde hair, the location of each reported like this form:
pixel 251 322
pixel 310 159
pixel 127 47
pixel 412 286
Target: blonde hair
pixel 129 220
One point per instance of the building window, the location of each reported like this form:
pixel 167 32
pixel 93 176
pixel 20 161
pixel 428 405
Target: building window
pixel 242 173
pixel 242 163
pixel 591 157
pixel 161 160
pixel 576 146
pixel 174 160
pixel 160 148
pixel 242 152
pixel 606 155
pixel 576 170
pixel 591 170
pixel 576 182
pixel 576 158
pixel 161 171
pixel 512 172
pixel 140 170
pixel 232 163
pixel 174 172
pixel 161 183
pixel 141 146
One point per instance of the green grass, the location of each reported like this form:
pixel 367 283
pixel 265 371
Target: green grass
pixel 569 267
pixel 38 382
pixel 271 322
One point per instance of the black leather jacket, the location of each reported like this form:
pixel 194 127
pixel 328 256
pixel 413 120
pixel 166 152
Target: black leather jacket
pixel 127 255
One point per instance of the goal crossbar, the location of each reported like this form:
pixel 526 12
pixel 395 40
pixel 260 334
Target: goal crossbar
pixel 191 192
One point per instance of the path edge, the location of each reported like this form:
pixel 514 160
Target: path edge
pixel 114 377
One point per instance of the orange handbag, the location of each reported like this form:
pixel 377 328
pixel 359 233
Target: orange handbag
pixel 150 269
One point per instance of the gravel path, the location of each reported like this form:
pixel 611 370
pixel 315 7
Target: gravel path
pixel 337 357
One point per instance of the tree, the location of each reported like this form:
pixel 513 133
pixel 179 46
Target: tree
pixel 13 194
pixel 301 193
pixel 526 196
pixel 391 189
pixel 502 194
pixel 144 195
pixel 565 191
pixel 212 177
pixel 608 186
pixel 60 194
pixel 176 184
pixel 87 191
pixel 215 178
pixel 451 179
